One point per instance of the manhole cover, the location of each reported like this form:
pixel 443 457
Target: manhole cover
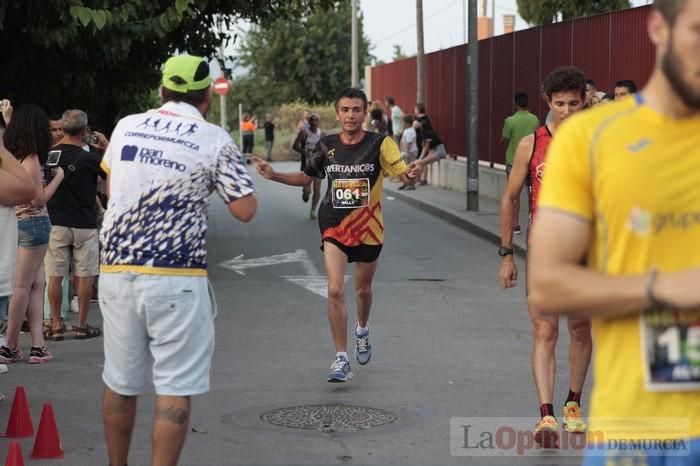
pixel 329 418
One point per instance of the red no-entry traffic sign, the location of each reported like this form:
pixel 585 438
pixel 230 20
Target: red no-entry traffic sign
pixel 222 86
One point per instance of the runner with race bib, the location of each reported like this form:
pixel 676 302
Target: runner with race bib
pixel 350 215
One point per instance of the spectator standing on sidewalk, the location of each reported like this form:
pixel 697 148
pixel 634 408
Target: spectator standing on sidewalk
pixel 74 219
pixel 156 300
pixel 269 126
pixel 56 128
pixel 16 188
pixel 408 147
pixel 396 118
pixel 29 139
pixel 517 126
pixel 248 128
pixel 419 116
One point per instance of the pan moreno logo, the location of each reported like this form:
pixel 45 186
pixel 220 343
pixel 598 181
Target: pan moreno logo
pixel 145 155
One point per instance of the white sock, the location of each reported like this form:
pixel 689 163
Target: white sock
pixel 362 329
pixel 342 353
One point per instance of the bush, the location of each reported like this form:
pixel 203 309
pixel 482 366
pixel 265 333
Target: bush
pixel 288 116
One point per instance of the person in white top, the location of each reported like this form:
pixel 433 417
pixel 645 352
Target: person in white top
pixel 155 298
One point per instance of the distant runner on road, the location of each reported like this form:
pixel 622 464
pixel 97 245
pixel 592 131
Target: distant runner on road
pixel 350 215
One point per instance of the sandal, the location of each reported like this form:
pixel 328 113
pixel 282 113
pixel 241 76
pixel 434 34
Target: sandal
pixel 57 334
pixel 48 329
pixel 51 333
pixel 83 333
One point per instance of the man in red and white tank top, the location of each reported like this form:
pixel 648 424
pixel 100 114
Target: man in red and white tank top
pixel 565 89
pixel 535 169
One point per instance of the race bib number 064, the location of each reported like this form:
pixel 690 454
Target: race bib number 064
pixel 671 340
pixel 350 193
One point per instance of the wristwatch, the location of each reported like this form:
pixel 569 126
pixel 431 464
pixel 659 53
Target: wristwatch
pixel 503 252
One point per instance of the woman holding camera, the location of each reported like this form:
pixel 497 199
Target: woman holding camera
pixel 29 139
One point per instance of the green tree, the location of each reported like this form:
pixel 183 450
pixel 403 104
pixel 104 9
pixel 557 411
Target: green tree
pixel 398 53
pixel 538 12
pixel 104 56
pixel 307 58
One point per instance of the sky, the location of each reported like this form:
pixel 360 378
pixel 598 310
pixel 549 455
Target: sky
pixel 393 22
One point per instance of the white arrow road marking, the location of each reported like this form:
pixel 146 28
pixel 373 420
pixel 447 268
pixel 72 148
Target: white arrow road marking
pixel 312 281
pixel 238 264
pixel 317 284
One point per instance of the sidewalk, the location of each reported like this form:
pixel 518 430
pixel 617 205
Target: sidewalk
pixel 451 207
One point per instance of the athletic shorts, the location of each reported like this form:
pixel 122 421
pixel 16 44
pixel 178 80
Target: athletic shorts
pixel 79 245
pixel 157 328
pixel 360 253
pixel 663 455
pixel 33 232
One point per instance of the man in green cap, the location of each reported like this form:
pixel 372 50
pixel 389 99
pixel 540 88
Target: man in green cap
pixel 155 298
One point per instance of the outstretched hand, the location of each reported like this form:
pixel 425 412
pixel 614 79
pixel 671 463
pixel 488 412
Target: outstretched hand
pixel 264 169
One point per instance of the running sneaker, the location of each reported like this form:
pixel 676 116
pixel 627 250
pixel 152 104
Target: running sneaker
pixel 305 196
pixel 312 214
pixel 39 354
pixel 572 418
pixel 8 356
pixel 363 347
pixel 340 370
pixel 517 230
pixel 546 432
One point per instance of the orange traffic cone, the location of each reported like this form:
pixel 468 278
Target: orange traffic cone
pixel 47 444
pixel 20 422
pixel 14 456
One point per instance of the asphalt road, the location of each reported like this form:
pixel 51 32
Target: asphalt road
pixel 447 343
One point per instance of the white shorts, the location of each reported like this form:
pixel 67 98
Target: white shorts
pixel 158 328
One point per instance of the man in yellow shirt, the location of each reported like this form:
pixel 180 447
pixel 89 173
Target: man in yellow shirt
pixel 623 190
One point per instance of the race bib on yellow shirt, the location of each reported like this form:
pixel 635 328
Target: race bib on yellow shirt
pixel 671 346
pixel 350 193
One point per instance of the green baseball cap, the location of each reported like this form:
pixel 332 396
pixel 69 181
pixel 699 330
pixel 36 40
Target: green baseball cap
pixel 183 73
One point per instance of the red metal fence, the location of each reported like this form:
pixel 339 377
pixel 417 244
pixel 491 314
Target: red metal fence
pixel 607 47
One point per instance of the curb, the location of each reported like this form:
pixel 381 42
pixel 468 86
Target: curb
pixel 455 220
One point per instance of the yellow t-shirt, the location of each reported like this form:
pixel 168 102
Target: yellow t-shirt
pixel 634 174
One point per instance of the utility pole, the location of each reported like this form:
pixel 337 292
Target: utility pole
pixel 222 98
pixel 420 72
pixel 473 149
pixel 355 82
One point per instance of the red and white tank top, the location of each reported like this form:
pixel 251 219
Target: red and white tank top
pixel 536 167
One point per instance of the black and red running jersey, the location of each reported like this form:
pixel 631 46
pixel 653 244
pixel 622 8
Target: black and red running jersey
pixel 351 210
